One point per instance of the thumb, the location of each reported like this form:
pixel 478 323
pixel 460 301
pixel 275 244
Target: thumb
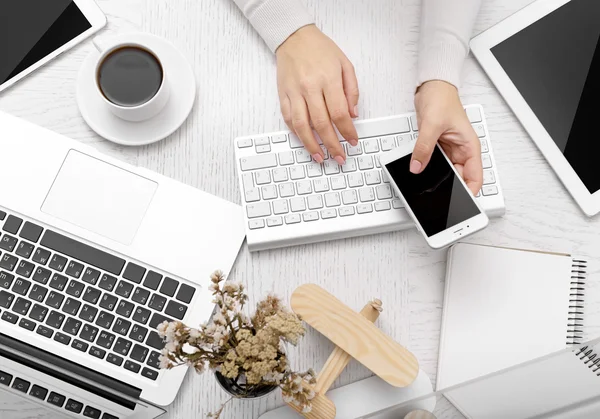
pixel 428 138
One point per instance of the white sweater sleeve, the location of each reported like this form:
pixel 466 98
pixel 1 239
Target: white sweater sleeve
pixel 275 20
pixel 446 27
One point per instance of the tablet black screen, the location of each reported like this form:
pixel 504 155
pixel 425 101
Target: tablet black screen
pixel 555 65
pixel 32 29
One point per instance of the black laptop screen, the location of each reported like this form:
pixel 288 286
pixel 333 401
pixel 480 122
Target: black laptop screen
pixel 555 65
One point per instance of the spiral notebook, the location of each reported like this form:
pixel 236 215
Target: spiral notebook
pixel 504 307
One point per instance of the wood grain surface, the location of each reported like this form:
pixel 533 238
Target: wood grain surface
pixel 237 95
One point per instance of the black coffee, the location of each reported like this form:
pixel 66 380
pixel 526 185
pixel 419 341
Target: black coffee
pixel 130 76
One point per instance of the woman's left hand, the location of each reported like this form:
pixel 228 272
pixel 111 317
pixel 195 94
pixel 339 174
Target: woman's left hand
pixel 441 117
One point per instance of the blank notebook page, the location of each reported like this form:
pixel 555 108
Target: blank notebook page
pixel 502 307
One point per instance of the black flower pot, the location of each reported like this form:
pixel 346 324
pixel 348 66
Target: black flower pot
pixel 238 387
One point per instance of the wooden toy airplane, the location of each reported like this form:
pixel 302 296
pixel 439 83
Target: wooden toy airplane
pixel 356 337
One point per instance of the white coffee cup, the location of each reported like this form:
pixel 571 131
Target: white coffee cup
pixel 140 112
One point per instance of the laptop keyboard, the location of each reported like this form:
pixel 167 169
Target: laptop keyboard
pixel 85 298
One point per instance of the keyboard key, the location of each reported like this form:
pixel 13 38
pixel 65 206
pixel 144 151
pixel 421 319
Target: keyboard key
pixel 55 319
pixel 155 341
pixel 169 286
pixel 108 301
pixel 108 416
pixel 107 282
pixel 244 143
pixel 134 273
pixel 384 192
pixel 488 177
pixel 31 232
pixel 274 221
pixel 122 346
pixel 8 242
pixel 124 308
pixel 254 224
pixel 2 215
pixel 44 331
pixel 121 326
pixel 88 313
pixel 132 366
pixel 79 345
pixel 58 262
pixel 72 326
pixel 105 339
pixel 91 412
pixel 315 202
pixel 138 333
pixel 22 306
pixel 75 288
pixel 12 224
pixel 38 392
pixel 150 374
pixel 263 177
pixel 38 313
pixel 8 262
pixel 91 276
pixel 152 280
pixel 382 206
pixel 42 275
pixel 97 352
pixel 350 166
pixel 74 269
pixel 262 161
pixel 139 353
pixel 186 293
pixel 56 399
pixel 6 279
pixel 6 299
pixel 27 324
pixel 38 293
pixel 366 194
pixel 41 256
pixel 54 299
pixel 71 306
pixel 58 282
pixel 89 333
pixel 21 385
pixel 91 295
pixel 297 172
pixel 154 360
pixel 124 289
pixel 286 190
pixel 174 309
pixel 269 192
pixel 115 359
pixel 280 174
pixel 321 185
pixel 5 378
pixel 10 317
pixel 473 114
pixel 328 213
pixel 349 197
pixel 158 319
pixel 141 315
pixel 62 338
pixel 365 163
pixel 480 130
pixel 397 204
pixel 346 211
pixel 105 320
pixel 302 156
pixel 484 146
pixel 487 161
pixel 74 406
pixel 364 208
pixel 286 158
pixel 488 190
pixel 355 180
pixel 372 178
pixel 263 148
pixel 261 209
pixel 21 286
pixel 310 216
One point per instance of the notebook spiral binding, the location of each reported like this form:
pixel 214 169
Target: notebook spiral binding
pixel 590 358
pixel 576 300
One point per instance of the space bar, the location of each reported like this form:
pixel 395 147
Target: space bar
pixel 82 252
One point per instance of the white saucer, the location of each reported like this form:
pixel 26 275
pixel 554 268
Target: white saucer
pixel 183 93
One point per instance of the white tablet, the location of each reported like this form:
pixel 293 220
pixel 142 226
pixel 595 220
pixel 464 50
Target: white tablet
pixel 545 61
pixel 32 32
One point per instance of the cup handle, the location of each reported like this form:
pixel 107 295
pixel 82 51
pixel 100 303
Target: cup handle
pixel 99 43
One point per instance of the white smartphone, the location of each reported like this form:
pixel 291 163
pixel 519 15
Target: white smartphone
pixel 437 199
pixel 33 32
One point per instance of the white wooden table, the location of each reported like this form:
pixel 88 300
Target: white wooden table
pixel 237 95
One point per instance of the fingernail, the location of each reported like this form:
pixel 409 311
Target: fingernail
pixel 340 160
pixel 317 157
pixel 415 167
pixel 353 143
pixel 356 111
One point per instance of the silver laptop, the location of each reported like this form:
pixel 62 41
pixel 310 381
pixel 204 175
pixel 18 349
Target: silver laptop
pixel 94 254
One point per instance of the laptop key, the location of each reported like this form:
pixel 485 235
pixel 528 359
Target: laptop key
pixel 108 416
pixel 90 276
pixel 124 289
pixel 55 319
pixel 134 273
pixel 105 339
pixel 5 378
pixel 6 279
pixel 2 215
pixel 54 299
pixel 56 399
pixel 125 308
pixel 41 275
pixel 8 262
pixel 31 232
pixel 157 302
pixel 38 392
pixel 24 249
pixel 25 268
pixel 62 338
pixel 107 282
pixel 21 286
pixel 8 242
pixel 150 374
pixel 158 319
pixel 38 293
pixel 74 406
pixel 21 306
pixel 105 320
pixel 38 312
pixel 155 341
pixel 185 293
pixel 115 359
pixel 138 333
pixel 79 345
pixel 108 301
pixel 27 324
pixel 58 262
pixel 141 315
pixel 169 286
pixel 91 412
pixel 174 309
pixel 91 295
pixel 12 224
pixel 139 353
pixel 121 326
pixel 122 346
pixel 74 269
pixel 154 360
pixel 41 256
pixel 75 288
pixel 152 280
pixel 44 331
pixel 6 299
pixel 97 352
pixel 140 295
pixel 72 326
pixel 58 282
pixel 21 385
pixel 132 366
pixel 88 313
pixel 71 306
pixel 7 316
pixel 89 333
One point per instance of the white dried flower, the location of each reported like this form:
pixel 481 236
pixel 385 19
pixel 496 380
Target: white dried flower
pixel 164 361
pixel 194 333
pixel 172 346
pixel 189 349
pixel 162 328
pixel 287 398
pixel 307 408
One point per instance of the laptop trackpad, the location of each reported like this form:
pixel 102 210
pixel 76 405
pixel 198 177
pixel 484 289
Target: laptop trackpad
pixel 99 197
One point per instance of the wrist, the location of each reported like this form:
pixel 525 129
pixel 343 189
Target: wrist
pixel 296 38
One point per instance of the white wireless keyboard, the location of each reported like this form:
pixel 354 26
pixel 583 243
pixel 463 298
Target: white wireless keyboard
pixel 289 199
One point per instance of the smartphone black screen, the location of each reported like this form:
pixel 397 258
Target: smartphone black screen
pixel 436 196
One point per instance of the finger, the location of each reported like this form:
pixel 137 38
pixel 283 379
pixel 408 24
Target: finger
pixel 473 170
pixel 301 126
pixel 428 138
pixel 338 111
pixel 321 121
pixel 350 87
pixel 286 111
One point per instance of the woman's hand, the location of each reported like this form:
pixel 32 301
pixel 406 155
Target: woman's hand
pixel 317 88
pixel 441 117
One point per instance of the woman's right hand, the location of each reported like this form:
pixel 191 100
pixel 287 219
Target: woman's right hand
pixel 317 88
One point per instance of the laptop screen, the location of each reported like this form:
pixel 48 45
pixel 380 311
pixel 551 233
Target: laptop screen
pixel 555 65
